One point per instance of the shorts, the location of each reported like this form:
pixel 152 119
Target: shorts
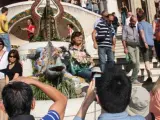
pixel 147 54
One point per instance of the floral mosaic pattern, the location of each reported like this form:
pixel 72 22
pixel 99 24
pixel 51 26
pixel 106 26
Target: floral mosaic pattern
pixel 40 10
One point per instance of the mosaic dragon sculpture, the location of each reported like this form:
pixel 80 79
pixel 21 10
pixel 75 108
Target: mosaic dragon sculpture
pixel 47 62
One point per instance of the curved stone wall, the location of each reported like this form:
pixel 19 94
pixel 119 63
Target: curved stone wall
pixel 84 17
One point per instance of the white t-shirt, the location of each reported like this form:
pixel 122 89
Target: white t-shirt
pixel 84 3
pixel 3 64
pixel 128 20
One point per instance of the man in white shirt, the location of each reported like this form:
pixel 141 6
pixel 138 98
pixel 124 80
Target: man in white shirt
pixel 129 14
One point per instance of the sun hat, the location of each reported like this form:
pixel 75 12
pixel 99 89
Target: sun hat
pixel 139 102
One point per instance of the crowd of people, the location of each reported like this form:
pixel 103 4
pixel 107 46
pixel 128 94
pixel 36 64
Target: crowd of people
pixel 91 5
pixel 113 91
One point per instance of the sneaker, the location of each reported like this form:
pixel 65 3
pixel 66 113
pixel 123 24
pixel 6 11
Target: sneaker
pixel 136 82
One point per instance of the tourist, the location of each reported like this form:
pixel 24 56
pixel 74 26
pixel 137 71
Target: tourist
pixel 18 100
pixel 84 4
pixel 30 29
pixel 70 30
pixel 130 39
pixel 146 42
pixel 139 103
pixel 129 15
pixel 140 12
pixel 124 11
pixel 156 31
pixel 115 22
pixel 113 92
pixel 95 6
pixel 14 68
pixel 155 100
pixel 89 5
pixel 3 59
pixel 81 61
pixel 4 28
pixel 104 38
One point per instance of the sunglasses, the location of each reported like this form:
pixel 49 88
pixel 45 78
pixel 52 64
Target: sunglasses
pixel 1 44
pixel 12 56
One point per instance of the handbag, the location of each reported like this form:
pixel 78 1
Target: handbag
pixel 132 43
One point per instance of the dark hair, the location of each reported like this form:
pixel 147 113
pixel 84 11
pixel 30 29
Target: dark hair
pixel 70 25
pixel 4 9
pixel 114 90
pixel 142 16
pixel 1 41
pixel 75 34
pixel 113 13
pixel 15 53
pixel 110 15
pixel 17 98
pixel 31 20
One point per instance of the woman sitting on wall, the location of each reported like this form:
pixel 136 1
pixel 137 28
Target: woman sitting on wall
pixel 14 68
pixel 80 62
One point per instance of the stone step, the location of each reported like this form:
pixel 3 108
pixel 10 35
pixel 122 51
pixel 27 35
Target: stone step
pixel 143 72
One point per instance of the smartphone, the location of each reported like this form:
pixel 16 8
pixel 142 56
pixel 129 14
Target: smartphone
pixel 96 77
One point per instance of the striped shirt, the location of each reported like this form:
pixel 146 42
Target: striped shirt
pixel 105 34
pixel 51 115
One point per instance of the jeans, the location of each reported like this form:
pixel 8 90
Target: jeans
pixel 103 53
pixel 86 74
pixel 123 17
pixel 134 56
pixel 5 38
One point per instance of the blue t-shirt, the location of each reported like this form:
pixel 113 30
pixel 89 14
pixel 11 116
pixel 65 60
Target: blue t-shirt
pixel 51 115
pixel 116 116
pixel 148 31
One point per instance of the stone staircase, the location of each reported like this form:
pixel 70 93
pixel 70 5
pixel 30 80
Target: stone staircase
pixel 120 59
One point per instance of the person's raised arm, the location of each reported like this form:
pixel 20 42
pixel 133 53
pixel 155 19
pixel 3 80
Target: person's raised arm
pixel 60 101
pixel 90 97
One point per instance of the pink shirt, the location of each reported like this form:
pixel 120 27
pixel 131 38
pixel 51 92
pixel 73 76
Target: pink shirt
pixel 155 104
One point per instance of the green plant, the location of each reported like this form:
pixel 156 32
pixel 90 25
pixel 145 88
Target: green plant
pixel 66 87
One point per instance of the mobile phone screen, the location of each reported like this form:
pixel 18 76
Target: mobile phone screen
pixel 97 77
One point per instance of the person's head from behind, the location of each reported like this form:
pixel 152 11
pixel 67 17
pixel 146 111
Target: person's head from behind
pixel 133 21
pixel 1 44
pixel 104 15
pixel 76 38
pixel 113 90
pixel 4 10
pixel 137 10
pixel 129 14
pixel 142 17
pixel 30 21
pixel 17 99
pixel 13 56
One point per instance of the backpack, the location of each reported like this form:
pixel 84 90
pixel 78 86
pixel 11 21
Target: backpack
pixel 157 31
